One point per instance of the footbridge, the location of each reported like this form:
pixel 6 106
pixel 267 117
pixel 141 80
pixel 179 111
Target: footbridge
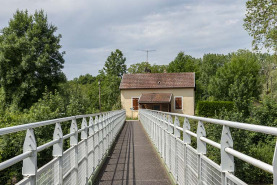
pixel 104 148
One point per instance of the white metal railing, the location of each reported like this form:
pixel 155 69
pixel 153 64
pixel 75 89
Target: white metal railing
pixel 190 166
pixel 78 163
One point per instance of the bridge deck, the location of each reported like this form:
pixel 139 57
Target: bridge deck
pixel 133 160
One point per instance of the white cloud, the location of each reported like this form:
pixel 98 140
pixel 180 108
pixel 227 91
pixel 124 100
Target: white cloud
pixel 92 29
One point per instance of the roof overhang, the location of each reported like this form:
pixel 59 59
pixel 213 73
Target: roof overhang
pixel 155 98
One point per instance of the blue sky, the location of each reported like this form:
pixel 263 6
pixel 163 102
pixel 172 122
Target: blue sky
pixel 91 29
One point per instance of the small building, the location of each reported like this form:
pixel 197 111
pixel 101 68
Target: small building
pixel 170 92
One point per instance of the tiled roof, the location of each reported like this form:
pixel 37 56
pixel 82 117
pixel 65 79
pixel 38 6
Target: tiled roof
pixel 157 80
pixel 155 98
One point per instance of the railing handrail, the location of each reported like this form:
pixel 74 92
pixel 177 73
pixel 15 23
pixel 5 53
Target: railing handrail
pixel 244 126
pixel 155 121
pixel 17 128
pixel 104 126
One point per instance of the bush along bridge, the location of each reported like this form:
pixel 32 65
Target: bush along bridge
pixel 113 151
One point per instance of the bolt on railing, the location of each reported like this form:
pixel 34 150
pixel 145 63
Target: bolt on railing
pixel 191 166
pixel 78 163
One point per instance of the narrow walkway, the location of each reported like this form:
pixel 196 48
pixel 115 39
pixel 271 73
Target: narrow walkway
pixel 133 160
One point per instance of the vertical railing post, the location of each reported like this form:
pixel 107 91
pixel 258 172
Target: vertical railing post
pixel 58 151
pixel 187 141
pixel 74 143
pixel 30 164
pixel 201 147
pixel 91 134
pixel 96 142
pixel 177 134
pixel 170 130
pixel 274 164
pixel 164 128
pixel 100 137
pixel 227 160
pixel 84 136
pixel 160 134
pixel 103 133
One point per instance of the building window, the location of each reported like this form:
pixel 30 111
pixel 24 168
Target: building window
pixel 135 103
pixel 178 102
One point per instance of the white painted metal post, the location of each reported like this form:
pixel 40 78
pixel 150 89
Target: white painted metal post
pixel 170 130
pixel 91 134
pixel 227 160
pixel 201 148
pixel 177 135
pixel 164 126
pixel 187 141
pixel 84 136
pixel 274 164
pixel 96 141
pixel 74 143
pixel 30 164
pixel 58 151
pixel 100 138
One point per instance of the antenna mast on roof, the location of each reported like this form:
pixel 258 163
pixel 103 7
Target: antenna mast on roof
pixel 147 52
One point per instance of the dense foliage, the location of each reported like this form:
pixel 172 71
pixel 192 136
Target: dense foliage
pixel 140 68
pixel 213 108
pixel 29 58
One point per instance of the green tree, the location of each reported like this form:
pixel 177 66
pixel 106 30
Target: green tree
pixel 115 64
pixel 29 58
pixel 238 80
pixel 210 64
pixel 268 65
pixel 260 22
pixel 86 79
pixel 183 63
pixel 140 68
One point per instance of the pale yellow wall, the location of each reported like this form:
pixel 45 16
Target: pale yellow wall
pixel 186 93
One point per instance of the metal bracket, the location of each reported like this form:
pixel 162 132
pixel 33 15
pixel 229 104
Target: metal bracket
pixel 30 163
pixel 186 136
pixel 227 160
pixel 74 128
pixel 96 123
pixel 100 122
pixel 201 132
pixel 91 126
pixel 84 133
pixel 58 134
pixel 170 122
pixel 176 124
pixel 164 122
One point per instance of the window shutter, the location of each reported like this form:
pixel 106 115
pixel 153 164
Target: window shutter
pixel 178 103
pixel 135 103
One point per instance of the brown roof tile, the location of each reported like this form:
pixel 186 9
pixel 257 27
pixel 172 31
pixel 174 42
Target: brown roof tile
pixel 155 98
pixel 157 80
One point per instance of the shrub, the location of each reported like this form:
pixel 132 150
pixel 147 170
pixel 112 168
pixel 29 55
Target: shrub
pixel 211 108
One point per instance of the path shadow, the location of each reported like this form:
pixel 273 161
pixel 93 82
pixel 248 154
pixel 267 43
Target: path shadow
pixel 119 167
